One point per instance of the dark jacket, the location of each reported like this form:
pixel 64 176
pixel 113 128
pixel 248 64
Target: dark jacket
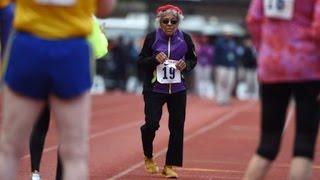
pixel 249 59
pixel 226 53
pixel 182 47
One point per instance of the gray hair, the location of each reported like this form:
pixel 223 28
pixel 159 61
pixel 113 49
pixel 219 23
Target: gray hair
pixel 168 12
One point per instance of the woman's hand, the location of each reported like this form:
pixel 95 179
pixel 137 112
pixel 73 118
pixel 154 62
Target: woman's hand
pixel 161 57
pixel 181 65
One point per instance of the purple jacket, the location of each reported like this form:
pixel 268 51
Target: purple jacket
pixel 177 51
pixel 181 47
pixel 205 54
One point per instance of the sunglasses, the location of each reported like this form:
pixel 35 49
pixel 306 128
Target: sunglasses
pixel 167 21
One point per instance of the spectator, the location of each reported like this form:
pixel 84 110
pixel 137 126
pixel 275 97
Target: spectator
pixel 286 36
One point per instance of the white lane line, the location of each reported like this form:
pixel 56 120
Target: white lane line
pixel 202 130
pixel 288 120
pixel 92 136
pixel 209 170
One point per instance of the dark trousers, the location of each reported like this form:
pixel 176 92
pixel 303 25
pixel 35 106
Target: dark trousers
pixel 37 140
pixel 275 100
pixel 176 104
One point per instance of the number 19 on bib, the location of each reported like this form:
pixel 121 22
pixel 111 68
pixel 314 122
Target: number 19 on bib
pixel 167 73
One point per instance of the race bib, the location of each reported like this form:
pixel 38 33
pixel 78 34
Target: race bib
pixel 167 73
pixel 57 2
pixel 280 9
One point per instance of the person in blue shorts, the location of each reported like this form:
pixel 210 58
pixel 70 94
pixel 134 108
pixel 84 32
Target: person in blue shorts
pixel 99 45
pixel 49 62
pixel 42 125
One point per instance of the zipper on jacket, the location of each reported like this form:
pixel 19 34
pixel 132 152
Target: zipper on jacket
pixel 169 49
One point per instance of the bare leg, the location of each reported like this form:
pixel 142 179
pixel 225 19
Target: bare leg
pixel 19 116
pixel 257 168
pixel 301 169
pixel 72 119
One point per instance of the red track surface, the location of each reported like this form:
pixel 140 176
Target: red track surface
pixel 218 141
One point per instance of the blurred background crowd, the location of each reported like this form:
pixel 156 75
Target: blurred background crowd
pixel 226 58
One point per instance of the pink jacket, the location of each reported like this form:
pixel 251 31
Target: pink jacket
pixel 288 47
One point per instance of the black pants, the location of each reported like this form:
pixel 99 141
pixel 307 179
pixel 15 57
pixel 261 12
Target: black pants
pixel 37 140
pixel 275 100
pixel 176 104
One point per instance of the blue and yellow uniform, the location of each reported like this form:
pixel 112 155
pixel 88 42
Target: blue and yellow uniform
pixel 49 53
pixel 6 17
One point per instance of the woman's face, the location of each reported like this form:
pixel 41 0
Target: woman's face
pixel 169 24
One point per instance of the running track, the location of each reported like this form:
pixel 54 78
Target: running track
pixel 218 141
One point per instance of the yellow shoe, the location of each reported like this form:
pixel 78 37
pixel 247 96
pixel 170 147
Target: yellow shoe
pixel 168 172
pixel 150 166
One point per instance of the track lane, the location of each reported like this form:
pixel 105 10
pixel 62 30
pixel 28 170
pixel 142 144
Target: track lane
pixel 213 153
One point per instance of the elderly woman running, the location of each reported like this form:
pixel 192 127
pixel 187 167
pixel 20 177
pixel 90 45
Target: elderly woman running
pixel 167 54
